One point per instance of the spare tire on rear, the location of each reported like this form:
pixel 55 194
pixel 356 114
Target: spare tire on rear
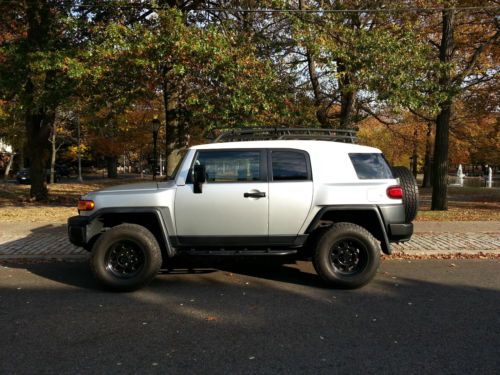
pixel 410 191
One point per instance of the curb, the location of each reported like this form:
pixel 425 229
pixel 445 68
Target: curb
pixel 465 254
pixel 54 257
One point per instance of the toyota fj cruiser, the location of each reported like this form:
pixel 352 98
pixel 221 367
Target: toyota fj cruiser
pixel 313 194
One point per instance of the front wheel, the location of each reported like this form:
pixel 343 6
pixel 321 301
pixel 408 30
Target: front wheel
pixel 126 257
pixel 346 256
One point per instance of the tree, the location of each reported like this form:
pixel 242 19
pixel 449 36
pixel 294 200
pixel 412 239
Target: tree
pixel 465 61
pixel 359 62
pixel 37 73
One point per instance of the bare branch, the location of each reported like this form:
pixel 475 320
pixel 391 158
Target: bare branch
pixel 376 116
pixel 435 44
pixel 472 62
pixel 420 115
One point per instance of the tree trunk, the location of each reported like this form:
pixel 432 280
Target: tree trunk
pixel 440 166
pixel 39 119
pixel 111 165
pixel 428 163
pixel 170 102
pixel 414 156
pixel 20 158
pixel 38 130
pixel 347 96
pixel 9 166
pixel 321 111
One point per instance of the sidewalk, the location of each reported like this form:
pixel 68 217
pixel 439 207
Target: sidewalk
pixel 50 241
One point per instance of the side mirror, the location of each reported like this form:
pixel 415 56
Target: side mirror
pixel 199 178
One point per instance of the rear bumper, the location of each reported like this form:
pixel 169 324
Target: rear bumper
pixel 394 221
pixel 77 230
pixel 400 232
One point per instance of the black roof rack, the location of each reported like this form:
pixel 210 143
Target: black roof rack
pixel 269 133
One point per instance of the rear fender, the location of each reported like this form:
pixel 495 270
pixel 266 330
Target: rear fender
pixel 366 216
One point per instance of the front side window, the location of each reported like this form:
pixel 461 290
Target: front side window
pixel 289 166
pixel 230 166
pixel 371 166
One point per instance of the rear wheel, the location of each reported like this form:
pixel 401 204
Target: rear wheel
pixel 126 257
pixel 410 191
pixel 346 256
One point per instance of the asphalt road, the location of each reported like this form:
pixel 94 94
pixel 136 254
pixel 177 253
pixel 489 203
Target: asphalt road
pixel 416 317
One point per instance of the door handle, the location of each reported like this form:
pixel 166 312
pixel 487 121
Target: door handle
pixel 259 194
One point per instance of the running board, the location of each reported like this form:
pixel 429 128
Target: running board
pixel 243 252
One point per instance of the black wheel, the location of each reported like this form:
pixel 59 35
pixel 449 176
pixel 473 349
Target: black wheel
pixel 346 256
pixel 410 191
pixel 126 257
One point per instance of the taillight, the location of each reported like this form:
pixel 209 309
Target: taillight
pixel 395 192
pixel 85 205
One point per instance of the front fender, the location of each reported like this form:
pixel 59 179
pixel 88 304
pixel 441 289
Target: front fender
pixel 83 229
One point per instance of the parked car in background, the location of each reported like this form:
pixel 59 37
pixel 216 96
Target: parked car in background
pixel 24 177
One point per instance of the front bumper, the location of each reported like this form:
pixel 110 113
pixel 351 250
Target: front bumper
pixel 77 230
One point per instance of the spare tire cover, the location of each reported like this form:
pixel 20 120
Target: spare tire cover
pixel 410 191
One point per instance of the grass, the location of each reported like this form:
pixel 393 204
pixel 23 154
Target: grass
pixel 465 204
pixel 16 206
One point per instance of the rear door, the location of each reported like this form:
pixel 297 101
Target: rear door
pixel 290 191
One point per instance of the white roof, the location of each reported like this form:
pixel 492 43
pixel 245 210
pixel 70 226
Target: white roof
pixel 307 145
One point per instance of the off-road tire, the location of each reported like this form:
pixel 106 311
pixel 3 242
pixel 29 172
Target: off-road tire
pixel 106 266
pixel 354 241
pixel 410 191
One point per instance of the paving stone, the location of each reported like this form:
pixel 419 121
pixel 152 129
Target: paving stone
pixel 52 241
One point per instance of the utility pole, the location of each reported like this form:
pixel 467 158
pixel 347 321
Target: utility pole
pixel 80 179
pixel 161 173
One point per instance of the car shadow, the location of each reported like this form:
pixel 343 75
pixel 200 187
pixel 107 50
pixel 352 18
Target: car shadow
pixel 47 252
pixel 77 272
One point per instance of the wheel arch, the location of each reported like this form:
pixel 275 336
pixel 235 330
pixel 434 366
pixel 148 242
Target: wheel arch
pixel 366 216
pixel 148 217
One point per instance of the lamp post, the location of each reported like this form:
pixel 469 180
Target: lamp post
pixel 155 127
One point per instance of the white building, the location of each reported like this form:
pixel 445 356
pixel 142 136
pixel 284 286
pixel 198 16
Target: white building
pixel 4 147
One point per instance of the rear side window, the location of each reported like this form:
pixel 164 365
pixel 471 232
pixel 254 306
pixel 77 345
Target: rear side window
pixel 289 166
pixel 371 166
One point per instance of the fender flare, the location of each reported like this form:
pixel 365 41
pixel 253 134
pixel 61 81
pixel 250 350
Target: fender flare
pixel 94 230
pixel 385 244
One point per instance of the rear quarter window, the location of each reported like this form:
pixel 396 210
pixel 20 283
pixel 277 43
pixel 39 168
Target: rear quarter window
pixel 371 166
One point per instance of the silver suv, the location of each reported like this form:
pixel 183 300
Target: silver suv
pixel 335 203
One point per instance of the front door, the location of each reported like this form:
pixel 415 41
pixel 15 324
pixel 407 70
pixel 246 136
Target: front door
pixel 233 205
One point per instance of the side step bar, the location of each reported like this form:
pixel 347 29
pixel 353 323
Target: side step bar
pixel 243 252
